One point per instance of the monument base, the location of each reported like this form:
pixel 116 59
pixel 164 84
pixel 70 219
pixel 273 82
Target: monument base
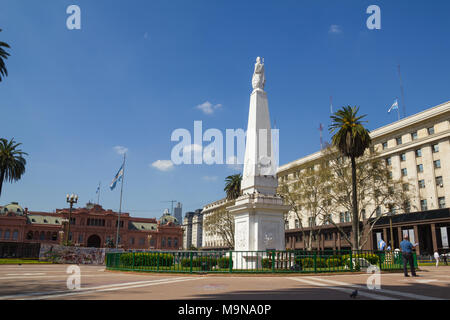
pixel 259 227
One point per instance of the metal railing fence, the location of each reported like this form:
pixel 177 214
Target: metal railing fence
pixel 290 261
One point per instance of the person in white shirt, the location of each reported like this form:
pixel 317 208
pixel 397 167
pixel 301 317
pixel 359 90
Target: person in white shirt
pixel 436 256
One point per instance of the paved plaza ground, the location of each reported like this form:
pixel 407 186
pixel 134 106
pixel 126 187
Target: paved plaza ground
pixel 49 282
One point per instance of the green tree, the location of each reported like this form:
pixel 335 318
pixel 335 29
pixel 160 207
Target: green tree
pixel 233 186
pixel 351 138
pixel 3 56
pixel 12 162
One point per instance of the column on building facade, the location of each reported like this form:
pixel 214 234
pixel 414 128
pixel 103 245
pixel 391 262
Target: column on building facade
pixel 416 238
pixel 430 191
pixel 444 152
pixel 412 178
pixel 385 233
pixel 433 237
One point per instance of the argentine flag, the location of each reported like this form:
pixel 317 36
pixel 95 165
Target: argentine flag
pixel 117 178
pixel 394 106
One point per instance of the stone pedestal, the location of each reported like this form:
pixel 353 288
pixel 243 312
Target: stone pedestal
pixel 259 226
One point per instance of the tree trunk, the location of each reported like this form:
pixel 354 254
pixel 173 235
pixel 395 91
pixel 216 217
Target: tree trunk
pixel 355 216
pixel 2 177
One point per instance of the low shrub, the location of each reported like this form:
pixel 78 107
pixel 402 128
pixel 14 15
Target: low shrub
pixel 224 262
pixel 333 262
pixel 143 259
pixel 266 263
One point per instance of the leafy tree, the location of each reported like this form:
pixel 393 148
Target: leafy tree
pixel 3 56
pixel 219 222
pixel 375 189
pixel 351 139
pixel 12 162
pixel 233 186
pixel 307 195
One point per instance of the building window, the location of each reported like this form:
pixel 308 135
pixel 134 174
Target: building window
pixel 341 217
pixel 15 235
pixel 297 225
pixel 414 135
pixel 163 242
pixel 437 164
pixel 169 242
pixel 388 161
pixel 418 153
pixel 80 238
pixel 439 181
pixel 403 157
pixel 441 202
pixel 420 168
pixel 312 221
pixel 392 209
pixel 421 184
pixel 131 240
pixel 405 187
pixel 363 214
pixel 404 172
pixel 398 140
pixel 142 241
pixel 72 221
pixel 175 242
pixel 384 145
pixel 435 148
pixel 378 211
pixel 407 206
pixel 423 205
pixel 286 225
pixel 347 216
pixel 430 130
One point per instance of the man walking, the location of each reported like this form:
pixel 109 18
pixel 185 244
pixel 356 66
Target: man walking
pixel 407 256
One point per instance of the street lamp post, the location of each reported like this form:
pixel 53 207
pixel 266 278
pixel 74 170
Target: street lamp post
pixel 71 199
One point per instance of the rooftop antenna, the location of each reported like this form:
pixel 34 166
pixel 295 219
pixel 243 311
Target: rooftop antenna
pixel 402 92
pixel 331 104
pixel 172 201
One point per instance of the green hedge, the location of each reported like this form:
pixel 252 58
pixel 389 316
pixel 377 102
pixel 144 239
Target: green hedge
pixel 333 262
pixel 142 259
pixel 224 262
pixel 371 257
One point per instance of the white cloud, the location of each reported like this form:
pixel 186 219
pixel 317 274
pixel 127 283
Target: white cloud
pixel 120 150
pixel 192 147
pixel 210 178
pixel 163 165
pixel 208 108
pixel 334 28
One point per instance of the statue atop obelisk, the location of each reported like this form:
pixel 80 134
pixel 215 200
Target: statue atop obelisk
pixel 259 163
pixel 259 211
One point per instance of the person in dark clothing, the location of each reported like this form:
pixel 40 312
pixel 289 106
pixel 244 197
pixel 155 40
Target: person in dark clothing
pixel 407 256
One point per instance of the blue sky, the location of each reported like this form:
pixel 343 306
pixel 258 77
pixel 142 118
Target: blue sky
pixel 137 70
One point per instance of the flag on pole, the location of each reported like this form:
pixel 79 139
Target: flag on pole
pixel 117 178
pixel 394 106
pixel 98 189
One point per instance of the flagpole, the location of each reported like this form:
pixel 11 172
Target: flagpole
pixel 98 197
pixel 398 110
pixel 120 206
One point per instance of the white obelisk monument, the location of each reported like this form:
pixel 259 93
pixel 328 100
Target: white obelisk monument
pixel 258 212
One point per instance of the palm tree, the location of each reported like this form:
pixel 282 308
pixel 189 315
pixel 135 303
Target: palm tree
pixel 3 56
pixel 351 139
pixel 233 186
pixel 12 162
